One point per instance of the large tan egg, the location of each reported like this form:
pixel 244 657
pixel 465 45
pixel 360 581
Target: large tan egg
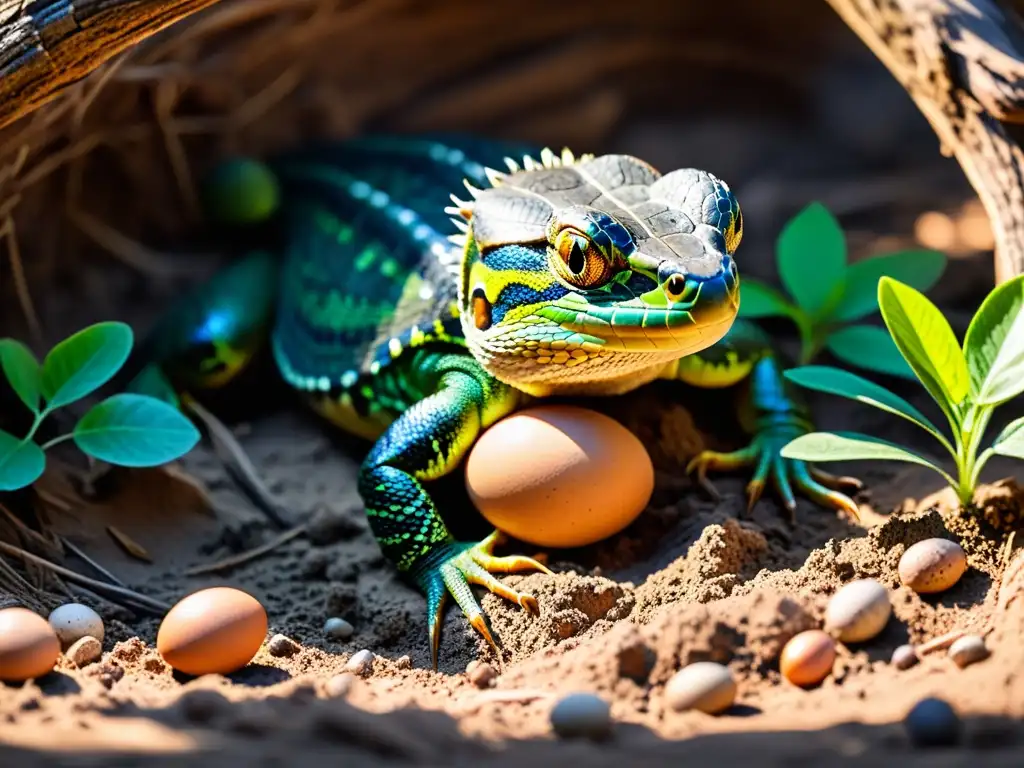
pixel 212 631
pixel 559 476
pixel 29 647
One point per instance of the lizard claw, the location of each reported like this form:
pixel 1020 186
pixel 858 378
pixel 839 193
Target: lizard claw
pixel 764 454
pixel 465 564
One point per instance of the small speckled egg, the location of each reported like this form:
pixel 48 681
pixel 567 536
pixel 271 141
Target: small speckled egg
pixel 212 631
pixel 807 658
pixel 858 611
pixel 559 476
pixel 28 645
pixel 73 621
pixel 932 565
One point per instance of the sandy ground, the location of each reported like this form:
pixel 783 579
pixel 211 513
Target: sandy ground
pixel 691 579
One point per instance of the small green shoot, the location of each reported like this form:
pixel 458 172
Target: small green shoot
pixel 128 429
pixel 826 294
pixel 967 382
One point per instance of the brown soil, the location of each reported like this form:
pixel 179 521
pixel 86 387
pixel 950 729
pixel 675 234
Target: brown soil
pixel 690 580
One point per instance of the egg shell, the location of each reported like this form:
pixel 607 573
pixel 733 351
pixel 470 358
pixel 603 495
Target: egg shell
pixel 932 565
pixel 581 715
pixel 73 621
pixel 212 631
pixel 559 476
pixel 704 685
pixel 29 647
pixel 858 611
pixel 808 657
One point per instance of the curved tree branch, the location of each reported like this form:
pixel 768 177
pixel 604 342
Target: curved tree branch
pixel 962 62
pixel 48 44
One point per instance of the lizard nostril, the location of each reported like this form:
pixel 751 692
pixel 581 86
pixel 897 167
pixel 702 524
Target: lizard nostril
pixel 675 286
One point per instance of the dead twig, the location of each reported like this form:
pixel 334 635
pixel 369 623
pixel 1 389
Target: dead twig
pixel 81 555
pixel 108 590
pixel 237 462
pixel 245 557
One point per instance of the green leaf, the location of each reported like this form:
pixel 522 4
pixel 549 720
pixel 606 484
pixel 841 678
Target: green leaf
pixel 994 345
pixel 926 341
pixel 812 259
pixel 84 362
pixel 135 431
pixel 22 371
pixel 849 446
pixel 152 381
pixel 836 381
pixel 1010 441
pixel 760 300
pixel 21 463
pixel 871 347
pixel 918 269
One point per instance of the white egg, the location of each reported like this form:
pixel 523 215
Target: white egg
pixel 73 621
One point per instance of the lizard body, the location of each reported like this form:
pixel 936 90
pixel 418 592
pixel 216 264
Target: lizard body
pixel 559 276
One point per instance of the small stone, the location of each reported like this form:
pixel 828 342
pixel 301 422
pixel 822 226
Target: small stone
pixel 581 715
pixel 85 651
pixel 403 662
pixel 338 629
pixel 481 674
pixel 932 565
pixel 858 611
pixel 808 657
pixel 968 650
pixel 933 723
pixel 361 663
pixel 905 657
pixel 281 646
pixel 340 685
pixel 704 685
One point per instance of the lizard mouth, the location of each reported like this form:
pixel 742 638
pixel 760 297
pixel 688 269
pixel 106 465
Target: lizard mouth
pixel 701 315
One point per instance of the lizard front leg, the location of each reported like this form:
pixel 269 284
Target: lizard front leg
pixel 770 412
pixel 427 441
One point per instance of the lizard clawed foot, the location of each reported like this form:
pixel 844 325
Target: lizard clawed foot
pixel 764 454
pixel 458 566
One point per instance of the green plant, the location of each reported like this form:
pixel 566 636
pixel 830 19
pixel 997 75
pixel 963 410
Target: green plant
pixel 828 294
pixel 128 429
pixel 967 382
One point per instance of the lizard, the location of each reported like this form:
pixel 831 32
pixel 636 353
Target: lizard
pixel 415 318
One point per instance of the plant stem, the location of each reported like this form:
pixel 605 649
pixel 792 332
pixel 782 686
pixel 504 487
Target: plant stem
pixel 975 421
pixel 57 440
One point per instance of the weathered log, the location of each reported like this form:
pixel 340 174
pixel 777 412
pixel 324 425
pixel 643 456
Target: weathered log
pixel 962 62
pixel 46 45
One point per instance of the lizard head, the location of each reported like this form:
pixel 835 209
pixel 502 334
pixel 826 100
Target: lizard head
pixel 591 270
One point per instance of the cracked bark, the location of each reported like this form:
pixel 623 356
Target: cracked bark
pixel 962 63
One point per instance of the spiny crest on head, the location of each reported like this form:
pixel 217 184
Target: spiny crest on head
pixel 463 209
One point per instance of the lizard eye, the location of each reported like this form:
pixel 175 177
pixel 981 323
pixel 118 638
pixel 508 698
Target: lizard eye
pixel 578 261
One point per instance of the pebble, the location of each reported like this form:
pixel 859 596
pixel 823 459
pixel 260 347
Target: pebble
pixel 808 657
pixel 704 686
pixel 968 650
pixel 933 723
pixel 85 651
pixel 858 611
pixel 403 662
pixel 932 565
pixel 282 646
pixel 361 663
pixel 338 629
pixel 481 674
pixel 73 621
pixel 581 715
pixel 905 657
pixel 339 685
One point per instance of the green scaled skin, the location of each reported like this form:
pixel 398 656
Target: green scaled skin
pixel 561 276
